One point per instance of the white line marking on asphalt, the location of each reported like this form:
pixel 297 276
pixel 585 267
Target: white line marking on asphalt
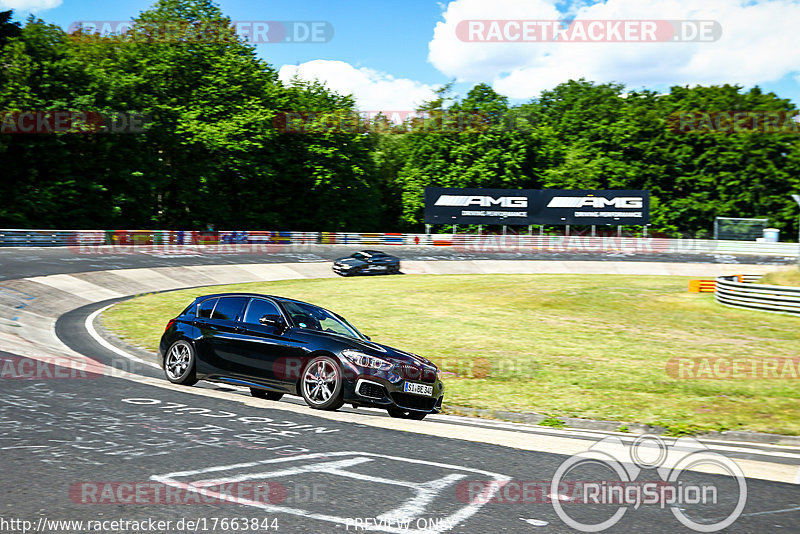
pixel 768 512
pixel 797 477
pixel 719 445
pixel 323 467
pixel 535 522
pixel 425 492
pixel 89 324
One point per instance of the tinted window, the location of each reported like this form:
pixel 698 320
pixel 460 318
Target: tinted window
pixel 205 307
pixel 229 308
pixel 359 256
pixel 314 318
pixel 259 308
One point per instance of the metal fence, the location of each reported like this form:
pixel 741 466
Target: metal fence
pixel 474 243
pixel 732 291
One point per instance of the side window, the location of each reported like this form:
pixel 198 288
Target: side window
pixel 259 308
pixel 229 308
pixel 205 308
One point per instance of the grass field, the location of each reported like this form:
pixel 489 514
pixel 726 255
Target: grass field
pixel 590 346
pixel 786 277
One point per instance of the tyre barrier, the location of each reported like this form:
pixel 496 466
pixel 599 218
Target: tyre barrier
pixel 734 292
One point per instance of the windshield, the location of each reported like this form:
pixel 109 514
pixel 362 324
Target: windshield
pixel 359 256
pixel 315 318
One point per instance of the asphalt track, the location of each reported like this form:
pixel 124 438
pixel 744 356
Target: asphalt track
pixel 39 261
pixel 68 442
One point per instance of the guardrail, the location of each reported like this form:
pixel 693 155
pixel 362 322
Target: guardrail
pixel 463 242
pixel 777 299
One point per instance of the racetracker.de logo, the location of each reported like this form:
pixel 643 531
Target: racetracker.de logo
pixel 205 492
pixel 81 122
pixel 576 243
pixel 729 368
pixel 181 31
pixel 734 122
pixel 49 368
pixel 380 121
pixel 588 31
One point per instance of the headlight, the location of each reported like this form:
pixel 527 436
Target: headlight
pixel 365 360
pixel 345 266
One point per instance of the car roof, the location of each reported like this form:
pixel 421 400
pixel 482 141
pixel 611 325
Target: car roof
pixel 275 297
pixel 374 252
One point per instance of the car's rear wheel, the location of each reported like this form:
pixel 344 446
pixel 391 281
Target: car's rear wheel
pixel 321 384
pixel 406 414
pixel 179 363
pixel 264 394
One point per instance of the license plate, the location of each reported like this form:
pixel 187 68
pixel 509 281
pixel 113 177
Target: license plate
pixel 418 389
pixel 378 267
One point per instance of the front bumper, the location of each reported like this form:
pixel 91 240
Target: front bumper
pixel 379 392
pixel 338 269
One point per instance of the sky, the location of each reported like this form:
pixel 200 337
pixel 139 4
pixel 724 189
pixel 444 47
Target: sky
pixel 392 54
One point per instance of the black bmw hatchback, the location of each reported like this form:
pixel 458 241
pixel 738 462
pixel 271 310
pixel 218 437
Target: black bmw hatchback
pixel 277 346
pixel 367 262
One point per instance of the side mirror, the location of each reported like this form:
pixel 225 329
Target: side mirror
pixel 275 321
pixel 368 338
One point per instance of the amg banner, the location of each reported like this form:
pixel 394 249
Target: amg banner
pixel 444 205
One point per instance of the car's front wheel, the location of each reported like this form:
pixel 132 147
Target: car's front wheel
pixel 264 394
pixel 406 414
pixel 179 363
pixel 321 384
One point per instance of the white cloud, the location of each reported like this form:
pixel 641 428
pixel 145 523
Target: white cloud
pixel 33 6
pixel 759 44
pixel 373 90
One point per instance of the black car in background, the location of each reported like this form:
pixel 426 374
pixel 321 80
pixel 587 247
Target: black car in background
pixel 367 262
pixel 277 346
